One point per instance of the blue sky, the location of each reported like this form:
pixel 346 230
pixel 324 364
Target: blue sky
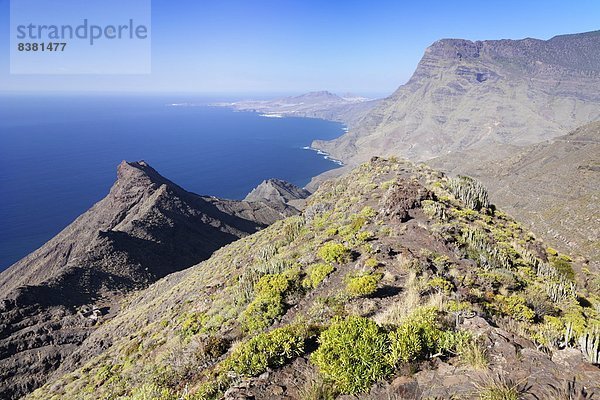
pixel 288 46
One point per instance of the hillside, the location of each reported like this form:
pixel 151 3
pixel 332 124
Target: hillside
pixel 552 186
pixel 394 282
pixel 466 95
pixel 144 229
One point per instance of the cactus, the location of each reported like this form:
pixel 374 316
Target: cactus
pixel 293 227
pixel 590 346
pixel 470 192
pixel 435 210
pixel 568 334
pixel 265 253
pixel 561 290
pixel 273 266
pixel 245 286
pixel 489 254
pixel 545 270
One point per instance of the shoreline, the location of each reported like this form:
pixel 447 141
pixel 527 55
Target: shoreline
pixel 325 155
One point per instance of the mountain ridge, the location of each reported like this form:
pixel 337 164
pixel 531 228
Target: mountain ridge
pixel 267 316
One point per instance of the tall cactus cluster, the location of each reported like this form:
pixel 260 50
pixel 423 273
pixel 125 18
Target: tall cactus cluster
pixel 470 192
pixel 489 254
pixel 561 290
pixel 590 346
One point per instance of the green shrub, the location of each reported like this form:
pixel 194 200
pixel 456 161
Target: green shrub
pixel 418 334
pixel 261 312
pixel 268 303
pixel 315 275
pixel 514 306
pixel 271 349
pixel 334 252
pixel 352 354
pixel 406 344
pixel 372 263
pixel 368 212
pixel 192 324
pixel 563 266
pixel 362 284
pixel 440 284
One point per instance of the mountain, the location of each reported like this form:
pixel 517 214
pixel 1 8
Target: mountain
pixel 278 192
pixel 146 228
pixel 396 281
pixel 467 94
pixel 347 108
pixel 553 186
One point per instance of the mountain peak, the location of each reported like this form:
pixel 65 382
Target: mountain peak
pixel 277 191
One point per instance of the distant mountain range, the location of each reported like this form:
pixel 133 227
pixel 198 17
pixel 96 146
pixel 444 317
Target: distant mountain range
pixel 481 107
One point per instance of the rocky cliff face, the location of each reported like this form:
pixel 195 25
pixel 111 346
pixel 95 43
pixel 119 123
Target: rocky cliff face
pixel 553 186
pixel 475 94
pixel 146 228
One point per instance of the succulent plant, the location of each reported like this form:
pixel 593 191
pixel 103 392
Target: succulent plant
pixel 470 192
pixel 561 290
pixel 590 346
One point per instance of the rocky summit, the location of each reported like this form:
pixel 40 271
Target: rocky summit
pixel 146 228
pixel 395 281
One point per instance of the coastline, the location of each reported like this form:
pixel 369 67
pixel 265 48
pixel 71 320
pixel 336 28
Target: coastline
pixel 325 155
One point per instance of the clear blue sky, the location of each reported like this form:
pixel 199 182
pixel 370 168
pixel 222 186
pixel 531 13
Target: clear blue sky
pixel 289 46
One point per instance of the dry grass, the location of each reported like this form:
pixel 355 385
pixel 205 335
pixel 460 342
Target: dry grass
pixel 501 387
pixel 409 301
pixel 316 388
pixel 474 355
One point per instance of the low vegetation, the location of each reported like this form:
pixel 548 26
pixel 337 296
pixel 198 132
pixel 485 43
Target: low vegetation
pixel 362 297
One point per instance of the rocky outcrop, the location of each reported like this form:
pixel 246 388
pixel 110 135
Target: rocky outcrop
pixel 277 192
pixel 467 94
pixel 146 228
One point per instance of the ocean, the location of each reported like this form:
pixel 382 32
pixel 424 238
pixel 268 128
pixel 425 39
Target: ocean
pixel 58 154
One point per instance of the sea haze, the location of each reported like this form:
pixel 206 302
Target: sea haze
pixel 58 155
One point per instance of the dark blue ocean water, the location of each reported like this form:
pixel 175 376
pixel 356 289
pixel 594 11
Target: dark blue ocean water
pixel 58 155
